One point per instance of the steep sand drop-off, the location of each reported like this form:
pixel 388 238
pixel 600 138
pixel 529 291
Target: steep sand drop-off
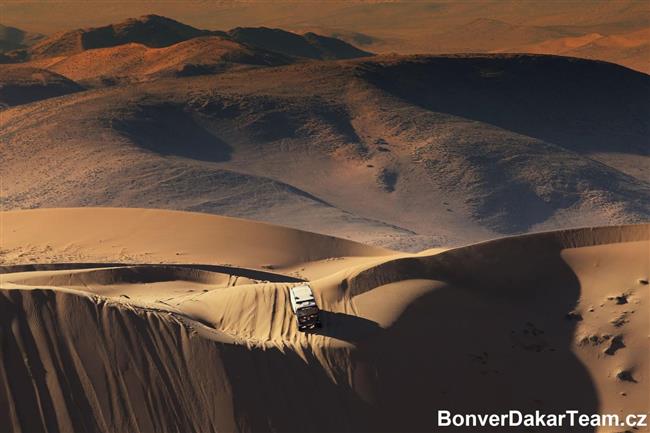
pixel 404 335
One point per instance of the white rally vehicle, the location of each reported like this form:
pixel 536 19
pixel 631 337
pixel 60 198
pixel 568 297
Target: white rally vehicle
pixel 304 306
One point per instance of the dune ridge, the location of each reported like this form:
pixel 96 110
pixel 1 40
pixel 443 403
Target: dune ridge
pixel 497 254
pixel 234 360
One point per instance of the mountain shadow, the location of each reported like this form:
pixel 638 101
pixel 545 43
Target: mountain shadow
pixel 581 105
pixel 167 129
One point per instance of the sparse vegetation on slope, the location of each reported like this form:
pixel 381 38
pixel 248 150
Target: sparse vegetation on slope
pixel 379 142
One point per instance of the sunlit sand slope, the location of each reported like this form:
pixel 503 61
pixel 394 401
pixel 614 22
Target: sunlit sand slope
pixel 559 319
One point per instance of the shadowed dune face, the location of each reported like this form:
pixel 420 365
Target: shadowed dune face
pixel 94 372
pixel 401 339
pixel 492 322
pixel 112 377
pixel 411 378
pixel 432 359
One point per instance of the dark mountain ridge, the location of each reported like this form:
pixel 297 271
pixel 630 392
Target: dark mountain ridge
pixel 157 31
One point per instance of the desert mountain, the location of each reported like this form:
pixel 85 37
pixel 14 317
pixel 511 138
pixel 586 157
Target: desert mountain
pixel 182 322
pixel 152 47
pixel 616 33
pixel 12 38
pixel 310 45
pixel 398 26
pixel 483 145
pixel 155 32
pixel 23 84
pixel 134 62
pixel 149 30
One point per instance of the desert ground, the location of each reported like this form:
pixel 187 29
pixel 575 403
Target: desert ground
pixel 150 320
pixel 464 185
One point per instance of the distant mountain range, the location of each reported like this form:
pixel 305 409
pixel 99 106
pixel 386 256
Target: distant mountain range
pixel 154 31
pixel 398 26
pixel 152 47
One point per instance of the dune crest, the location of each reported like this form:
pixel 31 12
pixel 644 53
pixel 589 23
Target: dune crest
pixel 217 352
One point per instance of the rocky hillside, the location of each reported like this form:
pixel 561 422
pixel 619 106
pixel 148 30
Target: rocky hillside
pixel 482 145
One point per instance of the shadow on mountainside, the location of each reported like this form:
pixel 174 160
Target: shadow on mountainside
pixel 582 105
pixel 167 129
pixel 22 85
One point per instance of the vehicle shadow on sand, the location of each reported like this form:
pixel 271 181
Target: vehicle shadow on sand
pixel 346 327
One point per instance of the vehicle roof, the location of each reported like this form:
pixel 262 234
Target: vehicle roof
pixel 302 292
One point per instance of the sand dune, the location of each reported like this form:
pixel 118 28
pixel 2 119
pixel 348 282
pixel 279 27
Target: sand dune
pixel 630 49
pixel 617 45
pixel 149 235
pixel 484 34
pixel 214 356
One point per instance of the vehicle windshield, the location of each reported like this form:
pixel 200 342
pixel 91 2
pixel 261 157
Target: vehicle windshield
pixel 307 311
